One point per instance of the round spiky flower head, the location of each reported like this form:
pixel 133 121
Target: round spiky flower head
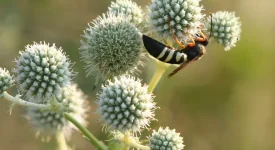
pixel 129 9
pixel 165 139
pixel 49 122
pixel 112 46
pixel 41 70
pixel 182 15
pixel 225 27
pixel 6 80
pixel 125 105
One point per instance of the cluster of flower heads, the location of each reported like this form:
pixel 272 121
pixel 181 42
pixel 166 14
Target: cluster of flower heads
pixel 49 123
pixel 41 71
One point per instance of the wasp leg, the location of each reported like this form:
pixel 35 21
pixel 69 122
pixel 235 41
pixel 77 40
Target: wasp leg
pixel 174 36
pixel 201 39
pixel 182 66
pixel 191 38
pixel 167 44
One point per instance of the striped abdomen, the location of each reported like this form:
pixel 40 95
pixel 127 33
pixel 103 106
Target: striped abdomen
pixel 162 52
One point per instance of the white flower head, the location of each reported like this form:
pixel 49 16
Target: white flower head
pixel 48 123
pixel 111 47
pixel 129 9
pixel 165 138
pixel 6 80
pixel 225 27
pixel 125 105
pixel 182 15
pixel 41 71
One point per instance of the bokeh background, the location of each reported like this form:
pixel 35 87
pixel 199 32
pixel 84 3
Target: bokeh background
pixel 224 101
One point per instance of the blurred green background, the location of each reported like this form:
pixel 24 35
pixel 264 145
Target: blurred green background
pixel 224 101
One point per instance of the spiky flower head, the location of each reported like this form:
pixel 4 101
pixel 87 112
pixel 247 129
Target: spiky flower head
pixel 165 139
pixel 225 27
pixel 41 70
pixel 49 122
pixel 111 46
pixel 6 80
pixel 129 9
pixel 182 15
pixel 125 105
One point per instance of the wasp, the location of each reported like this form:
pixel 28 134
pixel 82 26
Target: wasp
pixel 191 52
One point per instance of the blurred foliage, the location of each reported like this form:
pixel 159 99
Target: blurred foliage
pixel 224 101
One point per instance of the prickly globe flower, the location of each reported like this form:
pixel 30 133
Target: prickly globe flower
pixel 226 28
pixel 183 15
pixel 50 122
pixel 112 46
pixel 6 80
pixel 165 139
pixel 129 9
pixel 125 105
pixel 41 70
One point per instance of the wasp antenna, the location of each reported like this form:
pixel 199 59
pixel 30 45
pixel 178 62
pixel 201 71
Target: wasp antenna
pixel 210 26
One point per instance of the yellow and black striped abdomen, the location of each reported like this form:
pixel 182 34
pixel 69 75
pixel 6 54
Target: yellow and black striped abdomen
pixel 162 52
pixel 172 56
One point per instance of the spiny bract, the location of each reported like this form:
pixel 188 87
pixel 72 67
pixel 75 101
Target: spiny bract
pixel 226 28
pixel 41 70
pixel 125 105
pixel 182 14
pixel 112 47
pixel 129 9
pixel 50 122
pixel 165 139
pixel 6 80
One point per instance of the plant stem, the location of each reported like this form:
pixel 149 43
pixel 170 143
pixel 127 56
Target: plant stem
pixel 160 69
pixel 61 141
pixel 127 138
pixel 54 105
pixel 86 133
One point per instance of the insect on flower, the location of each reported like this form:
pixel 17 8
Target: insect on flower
pixel 166 53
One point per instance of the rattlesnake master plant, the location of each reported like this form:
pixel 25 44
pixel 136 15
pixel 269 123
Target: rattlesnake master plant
pixel 165 139
pixel 129 9
pixel 125 105
pixel 41 70
pixel 183 14
pixel 49 122
pixel 6 80
pixel 111 46
pixel 226 28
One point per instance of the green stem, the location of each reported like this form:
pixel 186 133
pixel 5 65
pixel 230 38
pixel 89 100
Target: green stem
pixel 61 141
pixel 53 105
pixel 160 70
pixel 86 133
